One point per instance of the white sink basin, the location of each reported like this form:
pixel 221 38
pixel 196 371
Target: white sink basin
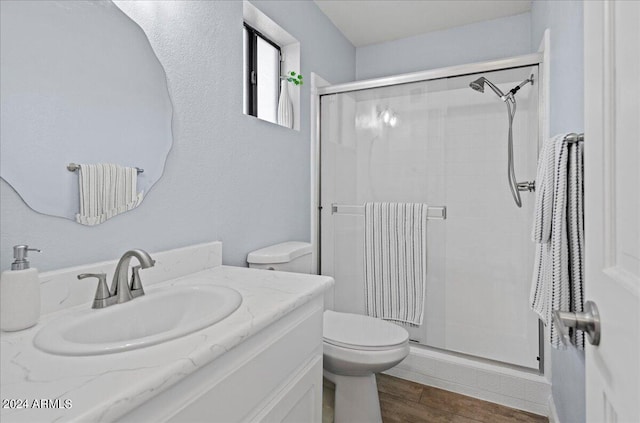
pixel 160 315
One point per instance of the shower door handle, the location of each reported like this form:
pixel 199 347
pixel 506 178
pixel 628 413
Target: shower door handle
pixel 587 321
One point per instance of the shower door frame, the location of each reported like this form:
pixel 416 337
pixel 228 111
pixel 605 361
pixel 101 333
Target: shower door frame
pixel 533 59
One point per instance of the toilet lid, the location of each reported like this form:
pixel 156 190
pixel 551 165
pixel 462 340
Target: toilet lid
pixel 357 331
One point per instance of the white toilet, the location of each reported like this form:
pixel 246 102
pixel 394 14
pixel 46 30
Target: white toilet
pixel 355 346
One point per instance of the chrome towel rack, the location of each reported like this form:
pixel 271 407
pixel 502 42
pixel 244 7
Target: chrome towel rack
pixel 573 137
pixel 433 212
pixel 72 167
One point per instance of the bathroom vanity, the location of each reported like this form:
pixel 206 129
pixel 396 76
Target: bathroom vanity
pixel 261 363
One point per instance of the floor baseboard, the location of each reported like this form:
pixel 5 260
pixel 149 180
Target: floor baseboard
pixel 553 411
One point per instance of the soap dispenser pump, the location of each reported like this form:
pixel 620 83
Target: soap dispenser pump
pixel 19 292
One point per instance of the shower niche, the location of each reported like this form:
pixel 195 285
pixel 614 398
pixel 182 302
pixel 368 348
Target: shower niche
pixel 441 143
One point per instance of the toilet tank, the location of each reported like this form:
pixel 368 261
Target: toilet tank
pixel 292 256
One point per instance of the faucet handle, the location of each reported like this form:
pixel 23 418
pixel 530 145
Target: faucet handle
pixel 136 282
pixel 102 292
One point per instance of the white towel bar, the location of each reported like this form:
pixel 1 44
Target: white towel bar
pixel 433 213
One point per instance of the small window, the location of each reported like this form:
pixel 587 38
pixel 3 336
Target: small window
pixel 269 52
pixel 261 75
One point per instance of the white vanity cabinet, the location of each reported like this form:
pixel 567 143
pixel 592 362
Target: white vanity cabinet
pixel 273 376
pixel 262 363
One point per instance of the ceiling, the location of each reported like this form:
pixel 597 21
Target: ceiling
pixel 366 22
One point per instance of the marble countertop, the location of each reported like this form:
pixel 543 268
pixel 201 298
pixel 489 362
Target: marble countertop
pixel 105 387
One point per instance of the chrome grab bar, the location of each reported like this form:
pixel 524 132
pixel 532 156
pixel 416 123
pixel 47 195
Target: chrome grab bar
pixel 587 321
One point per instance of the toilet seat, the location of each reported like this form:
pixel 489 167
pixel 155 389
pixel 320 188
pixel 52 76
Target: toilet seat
pixel 354 331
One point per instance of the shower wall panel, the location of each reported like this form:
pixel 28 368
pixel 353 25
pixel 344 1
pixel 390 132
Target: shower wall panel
pixel 439 142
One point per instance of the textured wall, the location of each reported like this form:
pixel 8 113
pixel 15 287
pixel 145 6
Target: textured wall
pixel 565 21
pixel 229 177
pixel 476 42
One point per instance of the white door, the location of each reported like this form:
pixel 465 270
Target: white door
pixel 612 211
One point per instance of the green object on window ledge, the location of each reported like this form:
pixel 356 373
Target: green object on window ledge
pixel 294 78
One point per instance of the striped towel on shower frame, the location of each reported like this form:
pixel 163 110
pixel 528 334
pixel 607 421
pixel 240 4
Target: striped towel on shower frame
pixel 395 261
pixel 558 232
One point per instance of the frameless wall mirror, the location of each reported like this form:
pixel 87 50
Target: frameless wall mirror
pixel 270 55
pixel 80 84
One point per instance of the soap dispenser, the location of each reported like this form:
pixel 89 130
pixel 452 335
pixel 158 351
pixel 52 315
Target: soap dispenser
pixel 19 293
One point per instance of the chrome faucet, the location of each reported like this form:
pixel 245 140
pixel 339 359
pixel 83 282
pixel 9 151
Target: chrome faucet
pixel 120 284
pixel 120 291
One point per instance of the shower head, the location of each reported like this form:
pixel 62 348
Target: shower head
pixel 478 85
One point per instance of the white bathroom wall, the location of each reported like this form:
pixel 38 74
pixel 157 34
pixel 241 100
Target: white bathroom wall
pixel 478 42
pixel 228 177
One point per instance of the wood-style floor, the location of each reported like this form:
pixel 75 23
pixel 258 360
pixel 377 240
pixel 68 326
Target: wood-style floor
pixel 402 401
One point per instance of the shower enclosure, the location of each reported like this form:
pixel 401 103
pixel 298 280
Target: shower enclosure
pixel 436 141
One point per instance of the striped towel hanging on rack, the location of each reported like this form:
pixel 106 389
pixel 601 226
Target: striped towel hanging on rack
pixel 106 190
pixel 558 232
pixel 395 261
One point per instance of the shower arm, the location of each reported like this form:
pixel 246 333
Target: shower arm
pixel 496 90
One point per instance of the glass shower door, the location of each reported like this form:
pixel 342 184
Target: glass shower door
pixel 439 142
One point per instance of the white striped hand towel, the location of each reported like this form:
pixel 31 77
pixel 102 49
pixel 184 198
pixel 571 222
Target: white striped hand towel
pixel 559 233
pixel 106 190
pixel 395 261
